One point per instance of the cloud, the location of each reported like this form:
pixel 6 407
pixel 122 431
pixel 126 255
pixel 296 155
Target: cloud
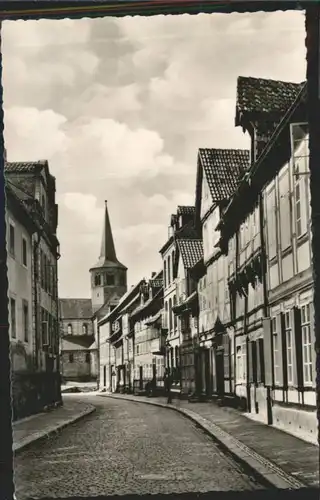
pixel 31 134
pixel 120 107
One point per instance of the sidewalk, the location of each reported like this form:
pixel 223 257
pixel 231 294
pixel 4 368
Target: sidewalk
pixel 283 460
pixel 35 427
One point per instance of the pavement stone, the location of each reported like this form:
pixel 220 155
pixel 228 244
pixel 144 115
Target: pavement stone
pixel 126 448
pixel 285 460
pixel 42 425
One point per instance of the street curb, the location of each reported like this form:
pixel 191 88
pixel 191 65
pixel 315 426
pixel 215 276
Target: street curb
pixel 24 443
pixel 260 466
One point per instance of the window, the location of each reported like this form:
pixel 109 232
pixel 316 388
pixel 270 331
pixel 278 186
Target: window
pixel 165 274
pixel 24 252
pixel 97 280
pixel 69 329
pixel 70 358
pixel 271 224
pixel 11 240
pixel 170 315
pixel 300 155
pixel 87 357
pixel 288 329
pixel 25 309
pixel 109 279
pixel 172 258
pixel 169 270
pixel 306 345
pixel 174 315
pixel 13 318
pixel 276 351
pixel 137 349
pixel 84 328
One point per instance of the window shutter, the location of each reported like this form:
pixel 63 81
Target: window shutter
pixel 250 363
pixel 297 348
pixel 283 376
pixel 254 346
pixel 260 361
pixel 313 350
pixel 268 352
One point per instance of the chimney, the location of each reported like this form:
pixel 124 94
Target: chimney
pixel 153 275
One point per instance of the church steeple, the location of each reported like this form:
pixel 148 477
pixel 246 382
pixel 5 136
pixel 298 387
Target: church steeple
pixel 107 252
pixel 108 276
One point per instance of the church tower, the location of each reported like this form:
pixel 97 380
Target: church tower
pixel 108 276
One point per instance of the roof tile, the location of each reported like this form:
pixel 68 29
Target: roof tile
pixel 24 166
pixel 222 169
pixel 185 210
pixel 263 96
pixel 191 252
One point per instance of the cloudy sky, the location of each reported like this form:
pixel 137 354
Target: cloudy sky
pixel 119 107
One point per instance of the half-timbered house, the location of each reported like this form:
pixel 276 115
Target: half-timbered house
pixel 278 376
pixel 218 172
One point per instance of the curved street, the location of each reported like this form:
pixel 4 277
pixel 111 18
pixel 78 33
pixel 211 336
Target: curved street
pixel 127 448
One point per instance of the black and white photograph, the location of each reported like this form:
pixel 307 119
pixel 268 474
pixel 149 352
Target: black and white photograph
pixel 160 253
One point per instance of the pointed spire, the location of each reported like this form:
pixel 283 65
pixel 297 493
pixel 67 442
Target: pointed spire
pixel 107 252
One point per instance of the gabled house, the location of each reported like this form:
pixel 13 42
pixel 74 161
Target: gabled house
pixel 278 335
pixel 189 255
pixel 218 174
pixel 149 336
pixel 33 253
pixel 181 227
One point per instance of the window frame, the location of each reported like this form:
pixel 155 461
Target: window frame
pixel 307 364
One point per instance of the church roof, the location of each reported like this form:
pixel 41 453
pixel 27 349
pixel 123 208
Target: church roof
pixel 75 308
pixel 108 257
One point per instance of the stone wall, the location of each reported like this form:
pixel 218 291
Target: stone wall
pixel 76 365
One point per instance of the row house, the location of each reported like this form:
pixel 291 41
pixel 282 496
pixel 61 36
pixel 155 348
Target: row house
pixel 218 174
pixel 149 337
pixel 189 257
pixel 269 222
pixel 116 343
pixel 181 226
pixel 33 253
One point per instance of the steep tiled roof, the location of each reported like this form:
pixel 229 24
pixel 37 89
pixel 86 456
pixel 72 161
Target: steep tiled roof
pixel 191 252
pixel 187 231
pixel 75 308
pixel 260 95
pixel 222 169
pixel 24 166
pixel 185 210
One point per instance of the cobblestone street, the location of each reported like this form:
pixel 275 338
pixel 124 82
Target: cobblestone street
pixel 124 448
